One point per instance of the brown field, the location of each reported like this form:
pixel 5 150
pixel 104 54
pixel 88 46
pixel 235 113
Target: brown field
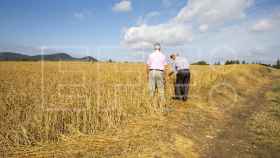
pixel 80 109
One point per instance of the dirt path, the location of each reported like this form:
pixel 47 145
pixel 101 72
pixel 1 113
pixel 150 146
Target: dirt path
pixel 233 139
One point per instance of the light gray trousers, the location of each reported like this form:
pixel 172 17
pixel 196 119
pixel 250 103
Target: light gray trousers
pixel 156 81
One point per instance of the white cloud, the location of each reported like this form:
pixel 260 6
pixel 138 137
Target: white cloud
pixel 123 6
pixel 269 23
pixel 145 19
pixel 203 28
pixel 177 31
pixel 168 34
pixel 263 25
pixel 153 14
pixel 213 11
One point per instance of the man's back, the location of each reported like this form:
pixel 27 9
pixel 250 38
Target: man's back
pixel 157 61
pixel 181 63
pixel 156 65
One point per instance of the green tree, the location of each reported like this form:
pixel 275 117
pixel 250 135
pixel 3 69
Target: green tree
pixel 227 62
pixel 217 63
pixel 200 63
pixel 277 66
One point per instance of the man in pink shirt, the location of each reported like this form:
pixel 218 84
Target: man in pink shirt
pixel 156 66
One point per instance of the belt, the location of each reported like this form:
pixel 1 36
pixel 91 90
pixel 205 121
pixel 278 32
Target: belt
pixel 183 70
pixel 156 70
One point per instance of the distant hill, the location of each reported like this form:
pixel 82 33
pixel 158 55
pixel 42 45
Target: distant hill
pixel 11 56
pixel 55 57
pixel 7 56
pixel 88 58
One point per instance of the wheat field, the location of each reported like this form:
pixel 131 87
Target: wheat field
pixel 42 102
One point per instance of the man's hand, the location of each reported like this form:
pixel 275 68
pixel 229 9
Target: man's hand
pixel 170 74
pixel 147 72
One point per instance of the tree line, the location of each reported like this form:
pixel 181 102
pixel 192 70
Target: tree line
pixel 231 62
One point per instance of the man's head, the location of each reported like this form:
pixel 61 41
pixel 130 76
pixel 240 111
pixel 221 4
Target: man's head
pixel 157 46
pixel 173 56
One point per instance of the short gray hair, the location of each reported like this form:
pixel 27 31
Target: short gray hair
pixel 157 46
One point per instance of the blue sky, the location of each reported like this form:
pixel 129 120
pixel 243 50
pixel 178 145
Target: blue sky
pixel 125 29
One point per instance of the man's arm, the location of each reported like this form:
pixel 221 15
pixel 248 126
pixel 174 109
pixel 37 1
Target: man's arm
pixel 165 75
pixel 173 70
pixel 147 67
pixel 171 73
pixel 147 71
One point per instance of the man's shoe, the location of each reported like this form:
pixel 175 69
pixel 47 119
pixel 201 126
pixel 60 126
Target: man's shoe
pixel 185 98
pixel 176 98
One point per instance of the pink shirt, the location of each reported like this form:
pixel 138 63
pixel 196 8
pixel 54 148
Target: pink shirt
pixel 157 60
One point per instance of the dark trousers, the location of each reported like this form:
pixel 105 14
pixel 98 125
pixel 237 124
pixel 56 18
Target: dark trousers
pixel 182 84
